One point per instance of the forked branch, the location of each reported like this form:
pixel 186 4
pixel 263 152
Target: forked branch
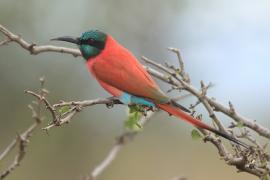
pixel 254 161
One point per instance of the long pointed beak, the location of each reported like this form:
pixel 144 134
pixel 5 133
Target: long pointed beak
pixel 70 39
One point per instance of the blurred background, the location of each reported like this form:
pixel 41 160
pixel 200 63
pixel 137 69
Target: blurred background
pixel 225 42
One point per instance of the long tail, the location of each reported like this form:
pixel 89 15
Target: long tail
pixel 175 111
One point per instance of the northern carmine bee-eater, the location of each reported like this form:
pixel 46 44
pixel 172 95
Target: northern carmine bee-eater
pixel 119 72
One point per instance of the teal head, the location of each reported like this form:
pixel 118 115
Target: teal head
pixel 91 43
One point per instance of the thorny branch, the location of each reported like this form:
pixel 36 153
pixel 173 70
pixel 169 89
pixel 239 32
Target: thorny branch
pixel 254 160
pixel 32 47
pixel 63 112
pixel 119 143
pixel 244 160
pixel 23 138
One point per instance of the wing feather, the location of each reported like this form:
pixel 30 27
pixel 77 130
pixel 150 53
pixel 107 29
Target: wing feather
pixel 119 68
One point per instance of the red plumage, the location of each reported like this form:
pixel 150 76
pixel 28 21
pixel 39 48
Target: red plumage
pixel 116 67
pixel 122 75
pixel 117 70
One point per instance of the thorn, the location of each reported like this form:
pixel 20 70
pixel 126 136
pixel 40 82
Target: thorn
pixel 232 110
pixel 5 42
pixel 202 84
pixel 203 88
pixel 109 105
pixel 31 48
pixel 45 91
pixel 175 50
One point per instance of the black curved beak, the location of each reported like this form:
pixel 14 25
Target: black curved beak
pixel 70 39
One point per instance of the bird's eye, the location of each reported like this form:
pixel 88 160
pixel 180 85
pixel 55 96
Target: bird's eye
pixel 90 41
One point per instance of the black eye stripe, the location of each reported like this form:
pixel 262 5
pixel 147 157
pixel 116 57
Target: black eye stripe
pixel 92 42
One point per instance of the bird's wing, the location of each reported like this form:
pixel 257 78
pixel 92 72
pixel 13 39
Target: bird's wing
pixel 122 70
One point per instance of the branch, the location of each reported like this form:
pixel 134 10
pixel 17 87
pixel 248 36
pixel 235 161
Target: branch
pixel 63 112
pixel 263 131
pixel 73 107
pixel 34 48
pixel 181 64
pixel 120 142
pixel 23 139
pixel 251 160
pixel 244 160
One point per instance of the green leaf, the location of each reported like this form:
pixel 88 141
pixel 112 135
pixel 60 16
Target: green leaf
pixel 135 108
pixel 195 134
pixel 63 109
pixel 132 109
pixel 132 122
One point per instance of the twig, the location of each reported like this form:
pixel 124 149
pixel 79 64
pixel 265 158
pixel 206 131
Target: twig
pixel 46 102
pixel 22 139
pixel 33 48
pixel 158 65
pixel 180 60
pixel 120 142
pixel 248 161
pixel 263 131
pixel 8 149
pixel 73 108
pixel 181 64
pixel 217 106
pixel 5 42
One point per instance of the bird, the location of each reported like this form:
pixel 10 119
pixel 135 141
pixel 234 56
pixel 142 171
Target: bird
pixel 120 73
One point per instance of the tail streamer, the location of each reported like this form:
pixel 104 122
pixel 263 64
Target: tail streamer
pixel 197 123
